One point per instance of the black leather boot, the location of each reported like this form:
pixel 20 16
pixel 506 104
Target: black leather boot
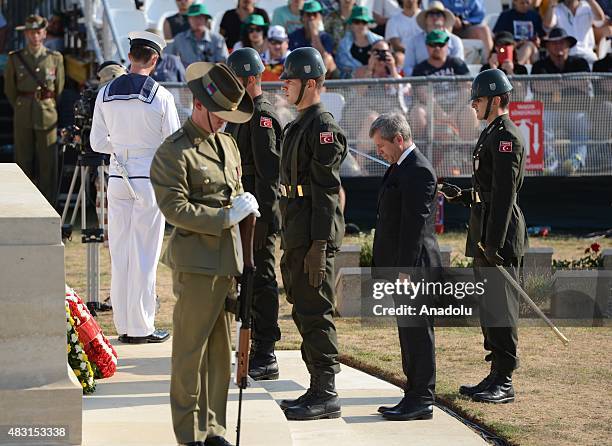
pixel 469 390
pixel 262 361
pixel 322 402
pixel 499 391
pixel 286 404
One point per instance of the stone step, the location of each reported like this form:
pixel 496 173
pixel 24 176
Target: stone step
pixel 132 408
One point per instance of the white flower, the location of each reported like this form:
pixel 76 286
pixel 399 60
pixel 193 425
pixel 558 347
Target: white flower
pixel 68 326
pixel 74 338
pixel 78 348
pixel 83 366
pixel 80 356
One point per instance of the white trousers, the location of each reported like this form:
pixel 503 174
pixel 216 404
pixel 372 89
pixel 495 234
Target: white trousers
pixel 135 235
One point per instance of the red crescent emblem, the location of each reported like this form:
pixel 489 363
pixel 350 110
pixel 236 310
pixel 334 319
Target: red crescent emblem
pixel 326 137
pixel 265 122
pixel 505 146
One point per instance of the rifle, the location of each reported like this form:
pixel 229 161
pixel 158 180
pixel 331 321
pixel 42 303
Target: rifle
pixel 528 300
pixel 243 313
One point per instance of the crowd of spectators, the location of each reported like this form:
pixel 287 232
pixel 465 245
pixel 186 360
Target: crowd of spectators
pixel 403 38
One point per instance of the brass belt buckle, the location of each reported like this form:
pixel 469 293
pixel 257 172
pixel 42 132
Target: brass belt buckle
pixel 300 192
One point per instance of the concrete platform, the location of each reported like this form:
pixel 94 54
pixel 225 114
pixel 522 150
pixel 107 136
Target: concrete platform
pixel 132 408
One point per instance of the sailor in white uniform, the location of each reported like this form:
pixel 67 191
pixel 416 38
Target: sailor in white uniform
pixel 132 117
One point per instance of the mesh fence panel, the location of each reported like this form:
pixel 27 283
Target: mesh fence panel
pixel 577 119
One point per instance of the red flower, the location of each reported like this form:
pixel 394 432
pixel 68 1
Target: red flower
pixel 595 247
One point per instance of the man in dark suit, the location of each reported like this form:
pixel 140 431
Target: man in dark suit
pixel 405 239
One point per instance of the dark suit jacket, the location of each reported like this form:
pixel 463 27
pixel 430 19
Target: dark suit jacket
pixel 405 231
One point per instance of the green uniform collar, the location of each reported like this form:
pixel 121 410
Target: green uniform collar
pixel 496 122
pixel 194 132
pixel 313 108
pixel 38 53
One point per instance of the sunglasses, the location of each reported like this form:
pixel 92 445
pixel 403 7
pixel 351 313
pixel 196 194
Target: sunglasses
pixel 275 42
pixel 311 14
pixel 437 45
pixel 359 22
pixel 254 29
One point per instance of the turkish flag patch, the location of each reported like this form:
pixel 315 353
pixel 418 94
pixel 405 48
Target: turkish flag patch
pixel 326 137
pixel 505 146
pixel 265 122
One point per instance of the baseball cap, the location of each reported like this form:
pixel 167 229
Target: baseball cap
pixel 277 33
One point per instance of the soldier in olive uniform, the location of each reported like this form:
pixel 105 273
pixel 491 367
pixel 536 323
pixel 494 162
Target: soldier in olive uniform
pixel 196 176
pixel 33 80
pixel 314 146
pixel 496 234
pixel 259 144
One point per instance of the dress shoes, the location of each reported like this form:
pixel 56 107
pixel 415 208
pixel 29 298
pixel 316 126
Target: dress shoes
pixel 383 409
pixel 469 390
pixel 216 441
pixel 154 338
pixel 123 338
pixel 500 391
pixel 410 410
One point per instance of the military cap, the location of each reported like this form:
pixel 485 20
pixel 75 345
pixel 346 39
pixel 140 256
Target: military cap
pixel 33 22
pixel 148 39
pixel 218 88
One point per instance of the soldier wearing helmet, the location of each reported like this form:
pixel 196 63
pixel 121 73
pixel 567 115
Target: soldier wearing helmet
pixel 313 149
pixel 259 141
pixel 496 233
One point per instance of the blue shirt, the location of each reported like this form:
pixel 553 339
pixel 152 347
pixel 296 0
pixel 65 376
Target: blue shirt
pixel 344 59
pixel 522 26
pixel 211 48
pixel 297 39
pixel 169 69
pixel 469 10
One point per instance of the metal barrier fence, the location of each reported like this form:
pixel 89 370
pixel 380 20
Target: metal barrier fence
pixel 566 120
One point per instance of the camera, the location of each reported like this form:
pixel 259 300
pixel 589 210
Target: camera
pixel 76 136
pixel 381 54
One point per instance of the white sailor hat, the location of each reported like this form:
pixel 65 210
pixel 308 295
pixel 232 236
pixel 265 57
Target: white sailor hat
pixel 147 39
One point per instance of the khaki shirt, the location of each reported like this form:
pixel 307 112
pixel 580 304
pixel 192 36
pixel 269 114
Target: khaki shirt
pixel 195 175
pixel 31 111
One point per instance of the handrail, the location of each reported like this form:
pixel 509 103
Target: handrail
pixel 113 30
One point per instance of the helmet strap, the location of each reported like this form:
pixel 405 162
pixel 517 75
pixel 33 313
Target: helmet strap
pixel 488 109
pixel 302 90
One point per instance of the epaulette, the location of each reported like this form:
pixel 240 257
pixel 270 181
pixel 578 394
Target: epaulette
pixel 176 135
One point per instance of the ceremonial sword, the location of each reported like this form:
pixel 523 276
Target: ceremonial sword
pixel 124 174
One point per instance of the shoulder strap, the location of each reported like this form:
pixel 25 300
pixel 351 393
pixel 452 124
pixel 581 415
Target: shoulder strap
pixel 29 70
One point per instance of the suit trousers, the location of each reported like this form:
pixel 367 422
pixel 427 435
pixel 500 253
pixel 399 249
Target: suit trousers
pixel 312 312
pixel 36 155
pixel 201 356
pixel 499 311
pixel 135 236
pixel 265 294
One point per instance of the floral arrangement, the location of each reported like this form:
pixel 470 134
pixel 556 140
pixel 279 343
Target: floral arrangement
pixel 77 358
pixel 592 259
pixel 97 347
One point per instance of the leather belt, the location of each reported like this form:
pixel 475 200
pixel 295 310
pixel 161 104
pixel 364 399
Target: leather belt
pixel 38 94
pixel 301 190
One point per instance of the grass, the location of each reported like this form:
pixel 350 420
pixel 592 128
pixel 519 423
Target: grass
pixel 563 394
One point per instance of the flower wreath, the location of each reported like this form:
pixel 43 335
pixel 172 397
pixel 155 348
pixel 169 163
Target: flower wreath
pixel 77 358
pixel 97 347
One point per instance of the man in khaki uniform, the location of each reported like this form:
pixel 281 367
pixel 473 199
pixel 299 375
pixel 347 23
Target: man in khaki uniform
pixel 196 177
pixel 33 79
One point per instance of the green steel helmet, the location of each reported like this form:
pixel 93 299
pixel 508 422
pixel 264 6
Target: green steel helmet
pixel 488 83
pixel 245 62
pixel 304 63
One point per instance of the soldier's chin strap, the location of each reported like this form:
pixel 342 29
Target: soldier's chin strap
pixel 302 91
pixel 488 109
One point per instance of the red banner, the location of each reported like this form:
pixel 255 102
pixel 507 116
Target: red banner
pixel 528 117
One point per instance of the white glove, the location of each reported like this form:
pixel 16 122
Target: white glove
pixel 242 205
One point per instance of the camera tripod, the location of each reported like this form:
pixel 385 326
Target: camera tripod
pixel 92 237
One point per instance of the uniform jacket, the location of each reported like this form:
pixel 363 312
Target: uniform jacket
pixel 318 145
pixel 29 111
pixel 259 143
pixel 406 212
pixel 194 175
pixel 499 168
